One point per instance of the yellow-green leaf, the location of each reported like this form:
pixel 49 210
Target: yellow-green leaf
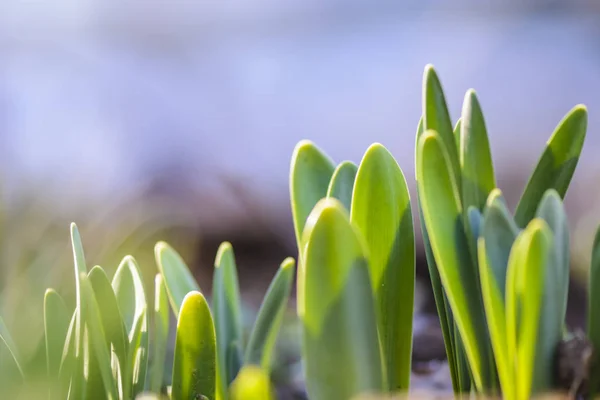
pixel 194 364
pixel 382 213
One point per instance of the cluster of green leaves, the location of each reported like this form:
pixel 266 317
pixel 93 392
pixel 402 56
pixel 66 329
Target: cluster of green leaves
pixel 114 345
pixel 500 281
pixel 356 272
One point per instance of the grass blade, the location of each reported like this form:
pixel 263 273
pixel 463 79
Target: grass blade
pixel 593 329
pixel 270 315
pixel 382 213
pixel 342 183
pixel 112 321
pixel 131 298
pixel 98 341
pixel 178 278
pixel 340 343
pixel 77 380
pixel 228 314
pixel 524 290
pixel 557 164
pixel 11 371
pixel 56 326
pixel 194 365
pixel 252 383
pixel 161 333
pixel 442 213
pixel 477 169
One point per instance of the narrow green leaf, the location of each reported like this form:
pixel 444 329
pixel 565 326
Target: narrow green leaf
pixel 342 183
pixel 476 165
pixel 382 213
pixel 112 321
pixel 98 340
pixel 56 326
pixel 78 381
pixel 462 365
pixel 179 280
pixel 493 300
pixel 437 118
pixel 252 383
pixel 68 361
pixel 131 299
pixel 194 365
pixel 524 290
pixel 557 164
pixel 593 328
pixel 161 333
pixel 441 302
pixel 339 324
pixel 500 231
pixel 227 311
pixel 11 371
pixel 442 213
pixel 270 315
pixel 310 173
pixel 556 290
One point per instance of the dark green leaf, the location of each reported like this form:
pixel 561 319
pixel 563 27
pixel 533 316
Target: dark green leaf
pixel 266 328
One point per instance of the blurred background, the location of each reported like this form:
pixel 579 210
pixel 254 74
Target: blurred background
pixel 146 121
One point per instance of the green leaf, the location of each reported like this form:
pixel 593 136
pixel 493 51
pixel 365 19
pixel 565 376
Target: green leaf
pixel 310 173
pixel 342 183
pixel 56 325
pixel 557 164
pixel 437 118
pixel 131 299
pixel 77 380
pixel 68 361
pixel 593 329
pixel 339 324
pixel 11 372
pixel 493 300
pixel 112 321
pixel 456 132
pixel 500 231
pixel 441 302
pixel 98 340
pixel 382 213
pixel 524 291
pixel 179 280
pixel 194 364
pixel 476 165
pixel 228 314
pixel 442 212
pixel 263 337
pixel 556 290
pixel 161 333
pixel 252 383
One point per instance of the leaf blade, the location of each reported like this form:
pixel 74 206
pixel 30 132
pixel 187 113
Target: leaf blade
pixel 382 213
